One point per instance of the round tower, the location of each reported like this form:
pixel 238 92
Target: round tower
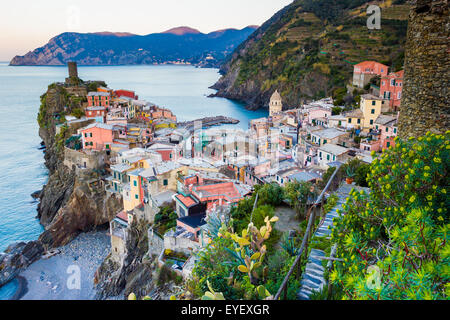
pixel 425 105
pixel 276 104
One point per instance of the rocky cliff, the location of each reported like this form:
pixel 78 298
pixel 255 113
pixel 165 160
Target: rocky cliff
pixel 307 50
pixel 70 203
pixel 106 48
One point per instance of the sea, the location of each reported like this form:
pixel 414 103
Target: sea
pixel 183 89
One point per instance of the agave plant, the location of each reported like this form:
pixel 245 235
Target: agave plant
pixel 288 244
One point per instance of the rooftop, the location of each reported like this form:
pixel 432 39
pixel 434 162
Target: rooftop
pixel 187 201
pixel 333 149
pixel 329 133
pixel 193 221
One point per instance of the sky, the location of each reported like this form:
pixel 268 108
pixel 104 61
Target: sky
pixel 28 24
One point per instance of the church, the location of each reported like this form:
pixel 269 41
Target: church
pixel 275 105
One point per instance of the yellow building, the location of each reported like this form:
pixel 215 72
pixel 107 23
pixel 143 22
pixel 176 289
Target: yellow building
pixel 276 104
pixel 364 117
pixel 371 109
pixel 132 196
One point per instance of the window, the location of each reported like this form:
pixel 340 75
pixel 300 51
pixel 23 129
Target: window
pixel 87 143
pixel 383 83
pixel 393 82
pixel 328 157
pixel 135 183
pixel 371 121
pixel 372 111
pixel 374 102
pixel 349 120
pixel 399 95
pixel 320 154
pixel 395 130
pixel 359 121
pixel 388 144
pixel 136 196
pixel 324 141
pixel 165 182
pixel 387 129
pixel 85 135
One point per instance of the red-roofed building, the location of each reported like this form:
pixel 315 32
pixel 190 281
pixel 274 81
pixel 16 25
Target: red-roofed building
pixel 391 87
pixel 126 93
pixel 366 70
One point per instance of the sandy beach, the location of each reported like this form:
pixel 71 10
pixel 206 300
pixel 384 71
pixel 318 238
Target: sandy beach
pixel 55 278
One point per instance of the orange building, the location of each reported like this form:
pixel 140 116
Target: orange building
pixel 98 99
pixel 366 70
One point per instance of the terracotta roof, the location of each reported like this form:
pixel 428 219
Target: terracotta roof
pixel 226 189
pixel 123 216
pixel 187 201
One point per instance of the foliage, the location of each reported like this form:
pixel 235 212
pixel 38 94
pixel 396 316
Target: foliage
pixel 298 194
pixel 290 245
pixel 269 193
pixel 42 115
pixel 165 219
pixel 361 175
pixel 77 112
pixel 395 240
pixel 233 263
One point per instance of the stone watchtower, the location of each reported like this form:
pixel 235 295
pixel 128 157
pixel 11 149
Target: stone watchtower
pixel 276 104
pixel 425 101
pixel 73 74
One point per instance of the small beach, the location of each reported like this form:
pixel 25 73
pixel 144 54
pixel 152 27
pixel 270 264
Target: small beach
pixel 47 279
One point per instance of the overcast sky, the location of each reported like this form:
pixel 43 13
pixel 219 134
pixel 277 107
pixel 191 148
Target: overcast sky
pixel 28 24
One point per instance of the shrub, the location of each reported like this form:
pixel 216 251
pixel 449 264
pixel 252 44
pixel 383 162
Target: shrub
pixel 395 240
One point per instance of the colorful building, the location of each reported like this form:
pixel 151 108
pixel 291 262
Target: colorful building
pixel 98 99
pixel 363 72
pixel 97 136
pixel 391 87
pixel 126 93
pixel 97 113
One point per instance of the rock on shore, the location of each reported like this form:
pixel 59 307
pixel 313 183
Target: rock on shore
pixel 17 257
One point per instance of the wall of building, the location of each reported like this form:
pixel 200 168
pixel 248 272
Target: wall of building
pixel 425 104
pixel 80 159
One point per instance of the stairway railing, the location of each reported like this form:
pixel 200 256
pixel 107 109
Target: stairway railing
pixel 312 214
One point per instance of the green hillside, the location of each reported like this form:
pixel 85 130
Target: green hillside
pixel 307 50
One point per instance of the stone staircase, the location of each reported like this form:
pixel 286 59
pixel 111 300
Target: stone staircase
pixel 313 276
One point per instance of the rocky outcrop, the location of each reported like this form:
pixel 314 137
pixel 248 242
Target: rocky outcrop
pixel 87 207
pixel 425 102
pixel 70 203
pixel 133 273
pixel 17 257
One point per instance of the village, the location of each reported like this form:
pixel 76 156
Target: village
pixel 173 177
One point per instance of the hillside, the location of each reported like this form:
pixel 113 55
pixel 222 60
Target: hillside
pixel 181 44
pixel 307 50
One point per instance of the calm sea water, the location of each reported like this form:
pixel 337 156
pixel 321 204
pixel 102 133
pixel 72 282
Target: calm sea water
pixel 183 89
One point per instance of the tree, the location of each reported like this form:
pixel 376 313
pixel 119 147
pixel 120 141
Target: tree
pixel 395 241
pixel 298 195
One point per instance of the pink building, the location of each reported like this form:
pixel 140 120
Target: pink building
pixel 97 136
pixel 317 114
pixel 366 70
pixel 391 89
